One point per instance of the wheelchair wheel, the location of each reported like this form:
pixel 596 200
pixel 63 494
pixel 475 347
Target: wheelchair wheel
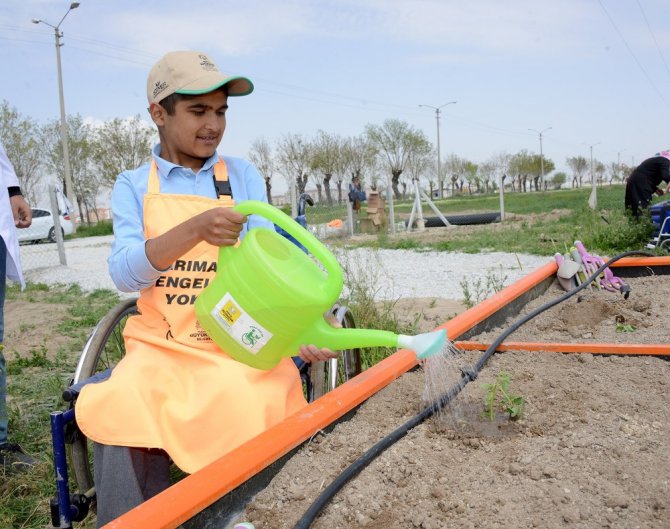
pixel 326 376
pixel 103 350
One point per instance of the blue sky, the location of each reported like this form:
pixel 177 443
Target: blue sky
pixel 595 71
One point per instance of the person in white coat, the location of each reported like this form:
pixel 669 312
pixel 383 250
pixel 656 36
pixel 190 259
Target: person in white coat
pixel 14 213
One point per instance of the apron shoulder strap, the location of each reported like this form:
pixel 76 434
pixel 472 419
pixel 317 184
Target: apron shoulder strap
pixel 153 186
pixel 223 190
pixel 221 182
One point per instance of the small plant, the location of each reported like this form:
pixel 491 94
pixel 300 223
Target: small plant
pixel 479 290
pixel 498 392
pixel 625 327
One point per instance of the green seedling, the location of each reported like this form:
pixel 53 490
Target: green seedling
pixel 498 392
pixel 625 327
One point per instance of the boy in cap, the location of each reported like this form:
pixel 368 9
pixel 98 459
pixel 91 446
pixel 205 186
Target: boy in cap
pixel 176 395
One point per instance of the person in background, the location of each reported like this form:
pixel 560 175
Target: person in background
pixel 14 213
pixel 356 194
pixel 175 395
pixel 643 182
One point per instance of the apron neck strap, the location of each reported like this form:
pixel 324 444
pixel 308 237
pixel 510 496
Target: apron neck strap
pixel 220 178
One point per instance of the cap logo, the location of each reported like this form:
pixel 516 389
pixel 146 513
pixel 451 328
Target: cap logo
pixel 206 64
pixel 159 87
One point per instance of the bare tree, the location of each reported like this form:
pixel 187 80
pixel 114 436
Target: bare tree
pixel 293 158
pixel 599 169
pixel 20 137
pixel 455 166
pixel 326 154
pixel 418 165
pixel 86 181
pixel 614 172
pixel 260 155
pixel 486 172
pixel 578 165
pixel 119 145
pixel 501 166
pixel 396 140
pixel 358 156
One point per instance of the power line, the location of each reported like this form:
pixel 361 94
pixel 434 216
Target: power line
pixel 658 48
pixel 660 94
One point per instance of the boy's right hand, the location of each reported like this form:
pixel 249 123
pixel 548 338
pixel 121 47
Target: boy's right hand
pixel 219 226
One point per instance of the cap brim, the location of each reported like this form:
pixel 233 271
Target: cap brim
pixel 237 86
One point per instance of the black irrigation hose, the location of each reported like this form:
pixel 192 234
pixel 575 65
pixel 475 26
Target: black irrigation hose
pixel 467 375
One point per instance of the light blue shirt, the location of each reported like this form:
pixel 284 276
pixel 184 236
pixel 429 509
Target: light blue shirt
pixel 129 266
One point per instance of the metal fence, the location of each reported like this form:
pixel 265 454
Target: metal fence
pixel 41 245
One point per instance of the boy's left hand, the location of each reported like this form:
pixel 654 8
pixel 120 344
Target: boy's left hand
pixel 311 353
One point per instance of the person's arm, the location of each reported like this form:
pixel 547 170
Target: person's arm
pixel 217 226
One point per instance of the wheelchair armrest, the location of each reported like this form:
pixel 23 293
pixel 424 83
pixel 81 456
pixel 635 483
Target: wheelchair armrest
pixel 71 393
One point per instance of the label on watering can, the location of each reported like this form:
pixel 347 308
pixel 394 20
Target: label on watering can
pixel 243 328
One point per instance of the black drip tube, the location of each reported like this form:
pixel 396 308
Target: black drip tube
pixel 468 374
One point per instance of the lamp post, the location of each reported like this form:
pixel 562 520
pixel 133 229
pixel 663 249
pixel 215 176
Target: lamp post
pixel 539 133
pixel 69 189
pixel 437 120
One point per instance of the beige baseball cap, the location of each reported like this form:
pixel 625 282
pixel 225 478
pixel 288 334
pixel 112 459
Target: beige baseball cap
pixel 191 72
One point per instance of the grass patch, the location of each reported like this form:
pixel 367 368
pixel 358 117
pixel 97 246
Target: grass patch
pixel 361 289
pixel 104 227
pixel 35 383
pixel 606 231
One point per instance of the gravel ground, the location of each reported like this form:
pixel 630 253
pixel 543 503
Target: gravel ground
pixel 394 274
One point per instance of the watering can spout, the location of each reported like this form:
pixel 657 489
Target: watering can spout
pixel 424 345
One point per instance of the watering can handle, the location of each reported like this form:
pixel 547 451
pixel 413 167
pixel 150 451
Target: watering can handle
pixel 316 248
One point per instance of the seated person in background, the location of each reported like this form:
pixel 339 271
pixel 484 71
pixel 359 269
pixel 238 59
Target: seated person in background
pixel 356 194
pixel 643 182
pixel 176 395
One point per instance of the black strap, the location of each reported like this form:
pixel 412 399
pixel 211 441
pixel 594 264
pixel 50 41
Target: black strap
pixel 222 187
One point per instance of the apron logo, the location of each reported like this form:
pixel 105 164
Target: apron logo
pixel 252 336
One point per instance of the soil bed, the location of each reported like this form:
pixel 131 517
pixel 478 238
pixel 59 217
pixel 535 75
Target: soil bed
pixel 590 451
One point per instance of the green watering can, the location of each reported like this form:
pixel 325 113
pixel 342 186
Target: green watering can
pixel 269 297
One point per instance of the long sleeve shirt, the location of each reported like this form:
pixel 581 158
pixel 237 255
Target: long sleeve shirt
pixel 129 266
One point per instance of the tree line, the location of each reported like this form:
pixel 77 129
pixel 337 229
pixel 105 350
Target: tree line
pixel 393 153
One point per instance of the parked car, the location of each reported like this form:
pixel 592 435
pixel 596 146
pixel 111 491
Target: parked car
pixel 42 227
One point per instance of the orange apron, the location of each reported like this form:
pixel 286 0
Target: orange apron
pixel 175 389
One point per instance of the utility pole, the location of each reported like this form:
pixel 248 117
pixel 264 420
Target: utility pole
pixel 539 133
pixel 69 188
pixel 437 121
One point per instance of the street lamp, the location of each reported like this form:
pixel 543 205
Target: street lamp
pixel 539 133
pixel 69 189
pixel 437 119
